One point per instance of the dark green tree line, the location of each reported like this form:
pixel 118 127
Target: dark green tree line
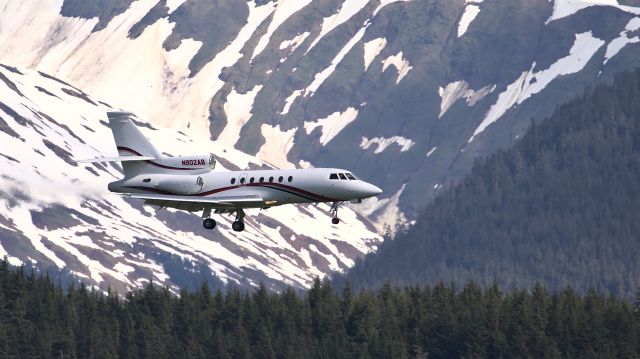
pixel 40 319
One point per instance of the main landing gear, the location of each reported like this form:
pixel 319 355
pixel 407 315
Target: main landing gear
pixel 210 223
pixel 334 212
pixel 238 224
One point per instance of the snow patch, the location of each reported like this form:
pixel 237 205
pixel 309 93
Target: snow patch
pixel 289 101
pixel 332 125
pixel 401 64
pixel 294 43
pixel 320 77
pixel 238 110
pixel 564 8
pixel 431 151
pixel 470 13
pixel 372 49
pixel 277 144
pixel 460 89
pixel 283 11
pixel 384 3
pixel 348 9
pixel 174 4
pixel 304 164
pixel 384 142
pixel 530 83
pixel 623 40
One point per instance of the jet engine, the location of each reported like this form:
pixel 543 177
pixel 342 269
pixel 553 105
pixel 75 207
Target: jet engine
pixel 179 184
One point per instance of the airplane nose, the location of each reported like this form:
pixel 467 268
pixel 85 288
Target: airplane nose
pixel 371 190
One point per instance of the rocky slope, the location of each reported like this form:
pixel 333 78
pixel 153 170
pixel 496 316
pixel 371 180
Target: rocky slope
pixel 56 213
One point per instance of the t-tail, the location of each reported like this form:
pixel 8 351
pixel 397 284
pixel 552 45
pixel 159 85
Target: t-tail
pixel 139 157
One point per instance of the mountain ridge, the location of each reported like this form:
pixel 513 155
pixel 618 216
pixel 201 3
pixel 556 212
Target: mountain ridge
pixel 560 207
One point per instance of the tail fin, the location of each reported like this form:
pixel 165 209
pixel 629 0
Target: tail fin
pixel 138 156
pixel 131 142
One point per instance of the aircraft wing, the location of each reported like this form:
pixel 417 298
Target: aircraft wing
pixel 222 201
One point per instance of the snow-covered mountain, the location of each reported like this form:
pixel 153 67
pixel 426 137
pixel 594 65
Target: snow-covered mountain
pixel 405 93
pixel 57 213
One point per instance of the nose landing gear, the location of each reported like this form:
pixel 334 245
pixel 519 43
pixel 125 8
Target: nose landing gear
pixel 334 212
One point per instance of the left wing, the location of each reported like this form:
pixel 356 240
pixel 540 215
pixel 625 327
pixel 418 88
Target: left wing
pixel 186 202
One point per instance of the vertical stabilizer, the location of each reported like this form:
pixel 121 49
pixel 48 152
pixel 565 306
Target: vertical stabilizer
pixel 131 142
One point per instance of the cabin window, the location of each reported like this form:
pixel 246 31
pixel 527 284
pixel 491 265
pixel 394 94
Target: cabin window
pixel 333 176
pixel 342 176
pixel 290 178
pixel 233 181
pixel 251 180
pixel 242 180
pixel 261 179
pixel 271 179
pixel 351 177
pixel 146 180
pixel 280 179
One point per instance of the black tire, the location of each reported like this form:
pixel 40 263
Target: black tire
pixel 237 226
pixel 209 223
pixel 335 220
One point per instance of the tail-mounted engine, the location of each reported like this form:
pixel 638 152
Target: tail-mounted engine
pixel 165 183
pixel 180 184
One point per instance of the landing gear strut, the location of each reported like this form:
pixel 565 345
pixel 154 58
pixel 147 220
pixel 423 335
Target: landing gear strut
pixel 238 224
pixel 334 212
pixel 208 223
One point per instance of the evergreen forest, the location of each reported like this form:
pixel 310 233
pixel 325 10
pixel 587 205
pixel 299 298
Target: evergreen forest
pixel 41 319
pixel 561 207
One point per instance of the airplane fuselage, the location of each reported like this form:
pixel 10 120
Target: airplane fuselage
pixel 275 187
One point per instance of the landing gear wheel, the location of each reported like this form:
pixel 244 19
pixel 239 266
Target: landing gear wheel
pixel 238 226
pixel 209 223
pixel 334 212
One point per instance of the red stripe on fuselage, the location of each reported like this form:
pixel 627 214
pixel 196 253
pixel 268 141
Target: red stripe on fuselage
pixel 302 192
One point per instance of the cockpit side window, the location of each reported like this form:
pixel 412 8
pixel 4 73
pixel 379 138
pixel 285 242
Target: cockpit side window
pixel 333 176
pixel 351 177
pixel 342 176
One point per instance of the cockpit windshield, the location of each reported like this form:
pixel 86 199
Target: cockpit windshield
pixel 342 176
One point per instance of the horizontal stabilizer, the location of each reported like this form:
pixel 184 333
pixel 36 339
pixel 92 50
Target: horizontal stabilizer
pixel 224 200
pixel 117 159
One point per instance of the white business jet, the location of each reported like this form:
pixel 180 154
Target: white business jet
pixel 189 183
